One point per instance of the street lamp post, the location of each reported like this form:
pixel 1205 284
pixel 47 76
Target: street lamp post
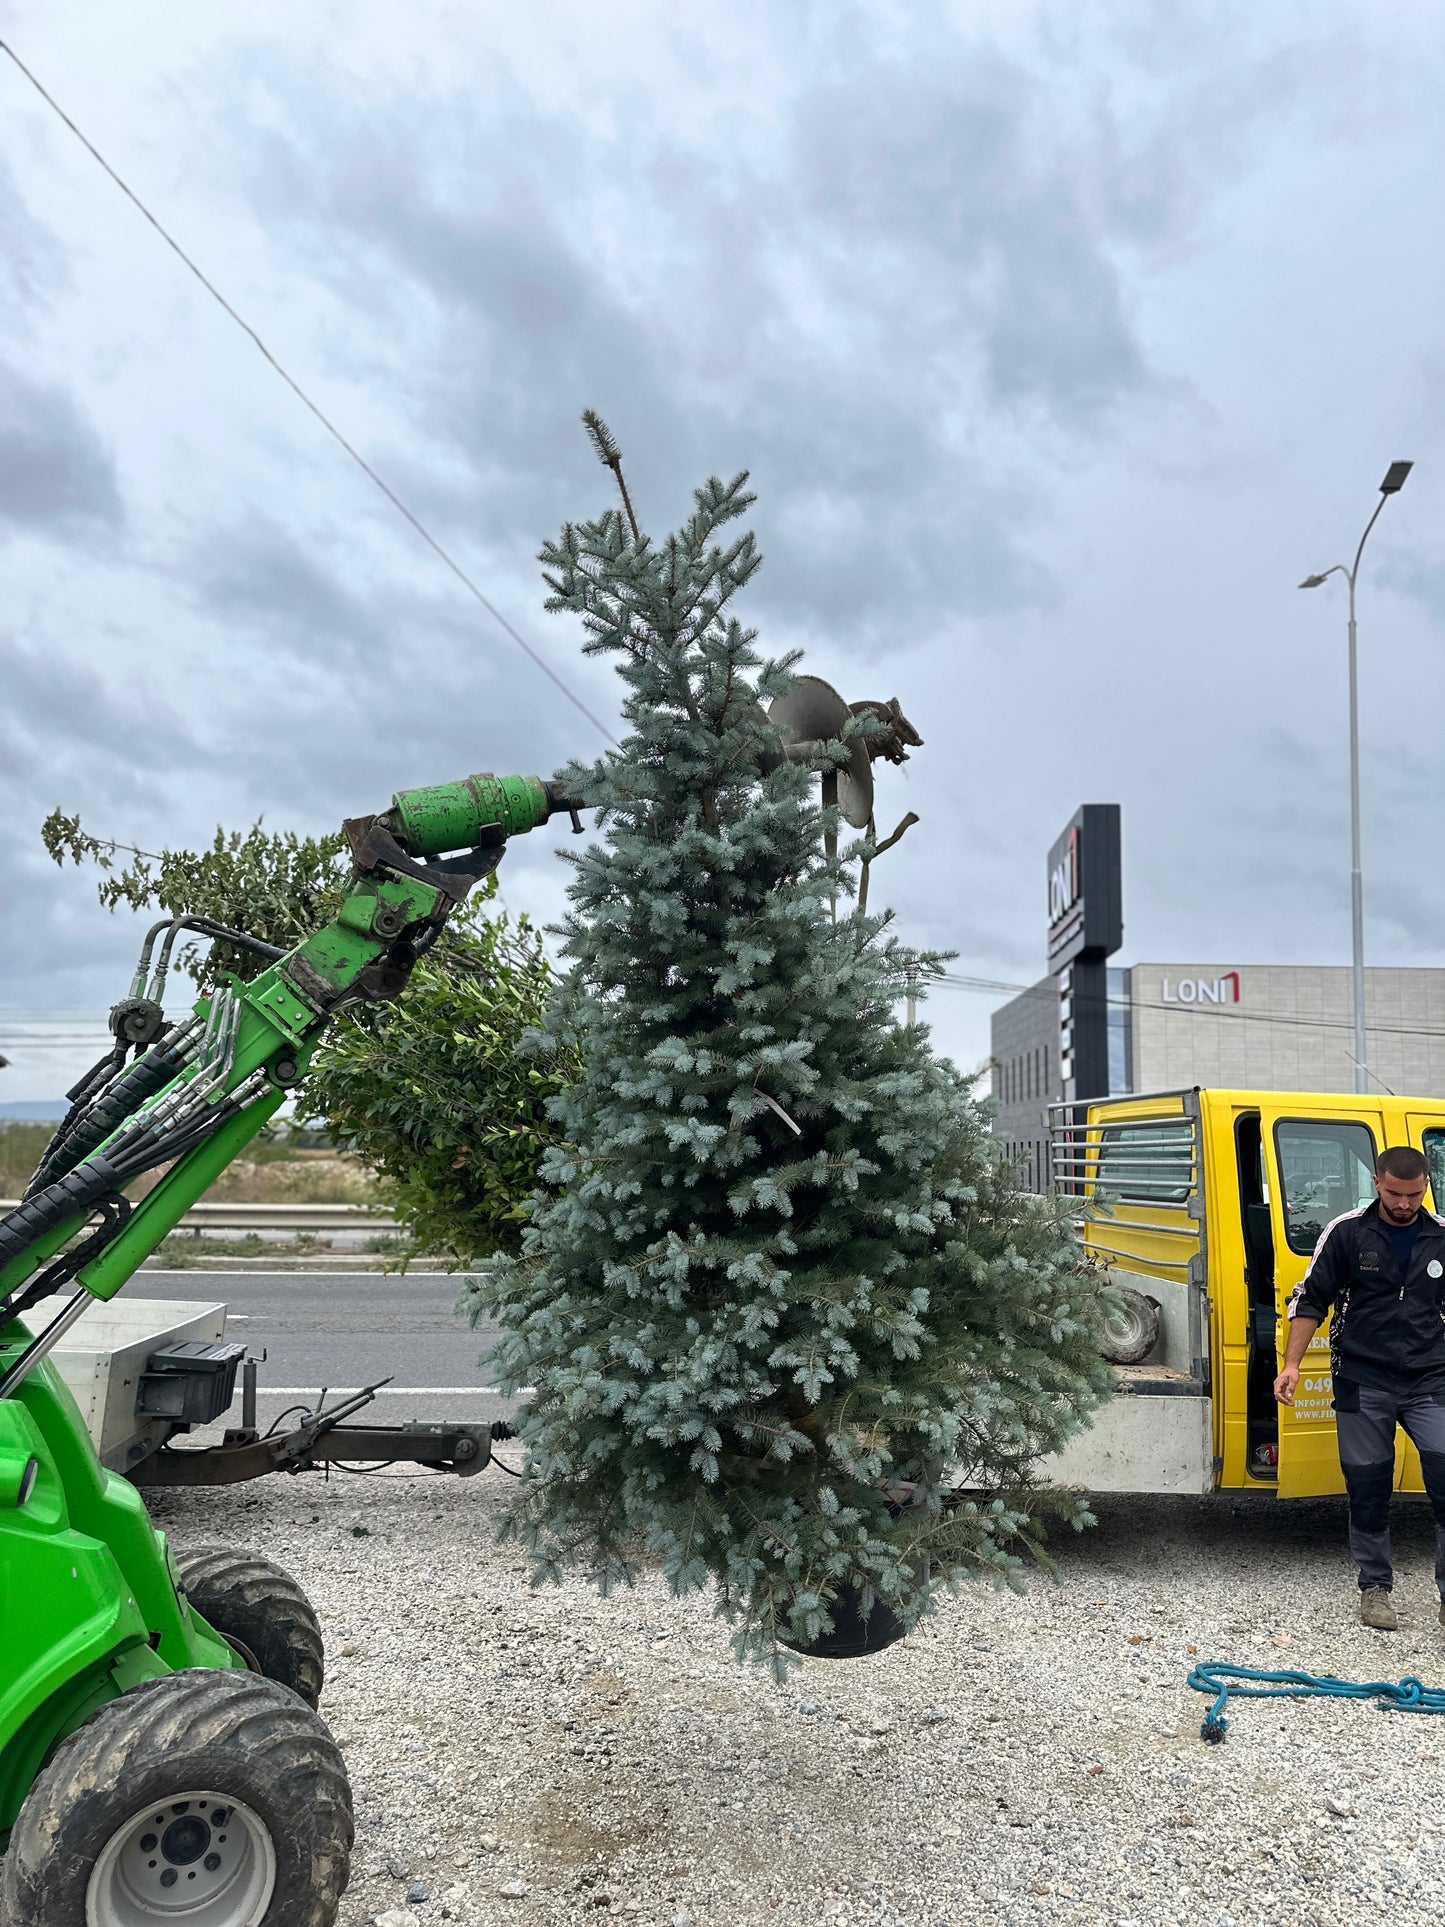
pixel 1394 481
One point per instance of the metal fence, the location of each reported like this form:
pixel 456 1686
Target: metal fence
pixel 201 1218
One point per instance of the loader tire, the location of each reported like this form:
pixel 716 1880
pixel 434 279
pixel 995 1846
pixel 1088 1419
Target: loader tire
pixel 214 1799
pixel 258 1609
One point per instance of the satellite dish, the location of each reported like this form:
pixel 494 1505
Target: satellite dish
pixel 812 711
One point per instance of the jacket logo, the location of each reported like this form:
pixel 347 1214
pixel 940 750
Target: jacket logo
pixel 1369 1261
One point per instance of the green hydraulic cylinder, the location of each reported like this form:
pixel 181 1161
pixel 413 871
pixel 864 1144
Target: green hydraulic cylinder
pixel 452 816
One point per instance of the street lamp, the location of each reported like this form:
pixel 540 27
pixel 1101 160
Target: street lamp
pixel 1394 481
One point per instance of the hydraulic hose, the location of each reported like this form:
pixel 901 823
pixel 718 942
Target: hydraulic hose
pixel 99 1179
pixel 81 1095
pixel 110 1110
pixel 74 1194
pixel 114 1212
pixel 153 1140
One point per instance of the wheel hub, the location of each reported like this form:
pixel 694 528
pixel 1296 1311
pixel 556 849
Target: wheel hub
pixel 200 1858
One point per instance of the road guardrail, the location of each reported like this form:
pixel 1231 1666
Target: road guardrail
pixel 274 1217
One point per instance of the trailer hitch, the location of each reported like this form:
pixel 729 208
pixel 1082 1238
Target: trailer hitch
pixel 322 1438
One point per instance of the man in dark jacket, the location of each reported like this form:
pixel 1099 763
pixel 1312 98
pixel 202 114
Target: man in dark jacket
pixel 1381 1271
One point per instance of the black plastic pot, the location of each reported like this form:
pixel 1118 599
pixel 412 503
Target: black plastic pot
pixel 853 1636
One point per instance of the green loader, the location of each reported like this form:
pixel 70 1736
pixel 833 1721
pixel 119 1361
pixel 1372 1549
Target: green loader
pixel 161 1758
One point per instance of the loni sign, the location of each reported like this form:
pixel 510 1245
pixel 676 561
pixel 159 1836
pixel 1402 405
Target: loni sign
pixel 1064 878
pixel 1203 990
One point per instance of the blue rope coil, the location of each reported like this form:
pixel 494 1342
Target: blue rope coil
pixel 1213 1676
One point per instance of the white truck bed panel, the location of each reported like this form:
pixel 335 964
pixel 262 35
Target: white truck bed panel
pixel 104 1353
pixel 1141 1443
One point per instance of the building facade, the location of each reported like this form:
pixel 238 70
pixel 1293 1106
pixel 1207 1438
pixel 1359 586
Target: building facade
pixel 1268 1027
pixel 1285 1027
pixel 1092 1030
pixel 1028 1066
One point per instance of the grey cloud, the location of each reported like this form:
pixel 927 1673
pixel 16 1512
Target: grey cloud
pixel 259 575
pixel 68 952
pixel 1282 837
pixel 912 211
pixel 66 727
pixel 416 685
pixel 1402 803
pixel 1057 334
pixel 1419 576
pixel 936 295
pixel 444 700
pixel 1216 98
pixel 71 741
pixel 56 477
pixel 520 316
pixel 31 264
pixel 964 221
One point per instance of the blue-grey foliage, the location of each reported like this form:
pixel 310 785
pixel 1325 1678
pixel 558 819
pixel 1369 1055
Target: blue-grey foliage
pixel 780 1292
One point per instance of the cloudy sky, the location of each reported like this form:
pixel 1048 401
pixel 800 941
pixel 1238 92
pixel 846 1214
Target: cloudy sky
pixel 1061 341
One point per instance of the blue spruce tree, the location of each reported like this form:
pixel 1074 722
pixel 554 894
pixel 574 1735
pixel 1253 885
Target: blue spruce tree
pixel 781 1297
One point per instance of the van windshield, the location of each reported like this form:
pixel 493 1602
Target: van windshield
pixel 1326 1168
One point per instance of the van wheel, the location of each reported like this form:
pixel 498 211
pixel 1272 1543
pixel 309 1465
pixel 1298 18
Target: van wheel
pixel 1131 1331
pixel 203 1799
pixel 260 1611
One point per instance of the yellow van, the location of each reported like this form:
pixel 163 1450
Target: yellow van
pixel 1209 1205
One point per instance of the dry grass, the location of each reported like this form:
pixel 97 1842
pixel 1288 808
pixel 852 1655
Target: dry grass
pixel 20 1149
pixel 309 1179
pixel 276 1177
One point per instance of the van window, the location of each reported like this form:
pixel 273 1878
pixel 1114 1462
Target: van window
pixel 1434 1144
pixel 1325 1168
pixel 1151 1162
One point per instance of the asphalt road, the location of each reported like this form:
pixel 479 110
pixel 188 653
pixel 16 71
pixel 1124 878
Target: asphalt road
pixel 347 1329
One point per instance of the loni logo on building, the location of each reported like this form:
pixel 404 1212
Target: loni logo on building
pixel 1064 880
pixel 1204 990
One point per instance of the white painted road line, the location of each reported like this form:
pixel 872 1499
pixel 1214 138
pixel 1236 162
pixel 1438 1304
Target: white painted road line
pixel 395 1391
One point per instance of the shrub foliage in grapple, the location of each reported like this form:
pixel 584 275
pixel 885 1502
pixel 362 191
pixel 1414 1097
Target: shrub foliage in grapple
pixel 432 1092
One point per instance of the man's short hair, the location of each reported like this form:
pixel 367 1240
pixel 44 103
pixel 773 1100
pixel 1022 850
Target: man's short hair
pixel 1402 1162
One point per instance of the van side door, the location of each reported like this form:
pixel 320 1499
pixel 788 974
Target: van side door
pixel 1319 1167
pixel 1426 1131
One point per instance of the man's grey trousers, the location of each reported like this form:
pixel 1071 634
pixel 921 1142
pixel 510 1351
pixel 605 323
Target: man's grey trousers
pixel 1365 1421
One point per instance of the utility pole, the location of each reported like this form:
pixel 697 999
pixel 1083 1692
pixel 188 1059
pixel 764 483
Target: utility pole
pixel 1394 481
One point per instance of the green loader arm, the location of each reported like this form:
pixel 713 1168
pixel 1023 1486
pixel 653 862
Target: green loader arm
pixel 203 1090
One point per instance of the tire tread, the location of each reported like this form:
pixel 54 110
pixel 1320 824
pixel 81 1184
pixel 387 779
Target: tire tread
pixel 220 1580
pixel 208 1722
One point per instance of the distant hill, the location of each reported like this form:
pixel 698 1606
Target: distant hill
pixel 36 1110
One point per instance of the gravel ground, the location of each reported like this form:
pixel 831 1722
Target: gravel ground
pixel 549 1756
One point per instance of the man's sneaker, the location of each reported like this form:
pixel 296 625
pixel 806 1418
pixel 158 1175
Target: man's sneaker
pixel 1377 1610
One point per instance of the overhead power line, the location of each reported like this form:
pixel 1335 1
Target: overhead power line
pixel 92 1045
pixel 955 982
pixel 301 395
pixel 1218 1013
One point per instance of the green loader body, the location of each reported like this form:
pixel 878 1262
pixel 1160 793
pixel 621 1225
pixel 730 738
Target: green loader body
pixel 88 1602
pixel 91 1607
